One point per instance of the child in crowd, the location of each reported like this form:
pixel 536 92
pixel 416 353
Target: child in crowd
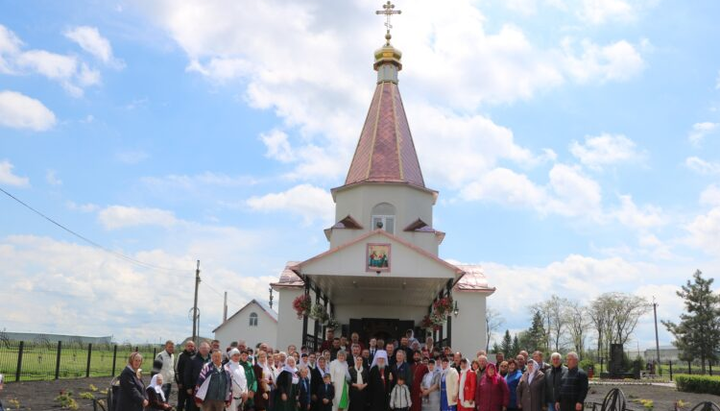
pixel 326 393
pixel 400 396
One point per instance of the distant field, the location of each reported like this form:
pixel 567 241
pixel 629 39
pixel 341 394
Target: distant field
pixel 39 360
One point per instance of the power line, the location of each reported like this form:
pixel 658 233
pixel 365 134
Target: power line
pixel 91 242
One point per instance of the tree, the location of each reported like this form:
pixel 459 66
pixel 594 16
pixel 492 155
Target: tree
pixel 496 348
pixel 578 323
pixel 506 345
pixel 536 334
pixel 698 333
pixel 515 350
pixel 493 321
pixel 615 316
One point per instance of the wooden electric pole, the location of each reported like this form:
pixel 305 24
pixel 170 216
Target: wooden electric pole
pixel 196 331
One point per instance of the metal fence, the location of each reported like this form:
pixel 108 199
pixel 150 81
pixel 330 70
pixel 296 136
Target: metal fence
pixel 39 361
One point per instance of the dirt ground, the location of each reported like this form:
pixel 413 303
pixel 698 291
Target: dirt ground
pixel 40 396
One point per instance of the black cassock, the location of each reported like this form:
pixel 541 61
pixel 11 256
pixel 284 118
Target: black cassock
pixel 379 388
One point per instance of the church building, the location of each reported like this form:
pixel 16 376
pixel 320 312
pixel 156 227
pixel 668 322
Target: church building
pixel 382 274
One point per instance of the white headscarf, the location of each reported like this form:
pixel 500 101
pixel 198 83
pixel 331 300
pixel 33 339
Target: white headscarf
pixel 535 367
pixel 156 387
pixel 293 371
pixel 379 354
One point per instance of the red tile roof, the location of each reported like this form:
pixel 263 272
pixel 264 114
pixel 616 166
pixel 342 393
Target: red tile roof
pixel 385 151
pixel 474 280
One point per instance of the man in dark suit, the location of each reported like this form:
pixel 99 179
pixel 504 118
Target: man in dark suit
pixel 131 396
pixel 192 371
pixel 183 359
pixel 326 393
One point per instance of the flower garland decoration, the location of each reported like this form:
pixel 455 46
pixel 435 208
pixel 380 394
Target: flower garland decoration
pixel 319 314
pixel 443 307
pixel 302 305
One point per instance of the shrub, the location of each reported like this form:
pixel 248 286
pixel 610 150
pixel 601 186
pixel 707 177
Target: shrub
pixel 586 364
pixel 700 384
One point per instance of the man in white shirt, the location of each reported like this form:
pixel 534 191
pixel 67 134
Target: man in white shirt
pixel 165 365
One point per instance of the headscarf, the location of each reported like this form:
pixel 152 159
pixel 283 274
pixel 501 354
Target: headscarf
pixel 379 354
pixel 494 378
pixel 293 371
pixel 535 367
pixel 156 387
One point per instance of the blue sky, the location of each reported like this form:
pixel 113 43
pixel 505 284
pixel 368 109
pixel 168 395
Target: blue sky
pixel 575 145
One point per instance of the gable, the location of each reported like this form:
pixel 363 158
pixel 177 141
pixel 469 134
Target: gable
pixel 243 314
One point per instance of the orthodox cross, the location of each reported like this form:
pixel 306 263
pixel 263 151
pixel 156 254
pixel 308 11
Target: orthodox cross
pixel 388 11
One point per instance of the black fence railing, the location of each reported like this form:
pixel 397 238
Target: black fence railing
pixel 39 361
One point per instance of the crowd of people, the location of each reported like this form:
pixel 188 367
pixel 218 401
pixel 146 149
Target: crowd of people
pixel 350 375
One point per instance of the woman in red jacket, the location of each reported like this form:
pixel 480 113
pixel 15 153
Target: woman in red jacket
pixel 466 397
pixel 492 392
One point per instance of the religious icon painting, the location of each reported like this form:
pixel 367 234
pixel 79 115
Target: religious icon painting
pixel 378 257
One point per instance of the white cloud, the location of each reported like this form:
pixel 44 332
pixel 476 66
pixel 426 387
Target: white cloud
pixel 20 111
pixel 601 11
pixel 568 193
pixel 310 202
pixel 68 70
pixel 701 166
pixel 115 217
pixel 278 146
pixel 84 208
pixel 90 40
pixel 619 61
pixel 700 131
pixel 635 217
pixel 132 156
pixel 52 178
pixel 710 196
pixel 704 232
pixel 7 177
pixel 604 150
pixel 174 182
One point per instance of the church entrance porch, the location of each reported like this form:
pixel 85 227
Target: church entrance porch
pixel 386 329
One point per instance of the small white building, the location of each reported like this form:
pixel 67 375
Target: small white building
pixel 254 323
pixel 382 273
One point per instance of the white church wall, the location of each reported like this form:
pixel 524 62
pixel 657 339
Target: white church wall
pixel 404 262
pixel 238 328
pixel 290 328
pixel 468 329
pixel 410 204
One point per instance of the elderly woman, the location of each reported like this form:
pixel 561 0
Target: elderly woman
pixel 285 396
pixel 156 395
pixel 531 389
pixel 339 375
pixel 132 396
pixel 238 380
pixel 430 388
pixel 492 392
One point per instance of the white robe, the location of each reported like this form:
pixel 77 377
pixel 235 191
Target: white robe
pixel 239 384
pixel 338 374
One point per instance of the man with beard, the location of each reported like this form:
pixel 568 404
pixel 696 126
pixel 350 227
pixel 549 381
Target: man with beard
pixel 379 385
pixel 251 380
pixel 418 370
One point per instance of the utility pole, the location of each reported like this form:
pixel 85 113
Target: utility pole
pixel 225 308
pixel 657 340
pixel 195 306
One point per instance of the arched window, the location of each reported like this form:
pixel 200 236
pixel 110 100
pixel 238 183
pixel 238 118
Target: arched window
pixel 253 319
pixel 383 216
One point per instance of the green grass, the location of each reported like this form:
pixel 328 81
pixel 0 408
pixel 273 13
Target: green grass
pixel 39 361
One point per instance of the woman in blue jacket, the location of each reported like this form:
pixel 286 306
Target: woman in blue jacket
pixel 513 379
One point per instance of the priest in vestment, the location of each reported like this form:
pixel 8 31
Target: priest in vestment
pixel 379 385
pixel 418 370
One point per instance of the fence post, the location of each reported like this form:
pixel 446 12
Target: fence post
pixel 19 363
pixel 87 370
pixel 137 349
pixel 689 367
pixel 154 352
pixel 57 361
pixel 114 359
pixel 671 376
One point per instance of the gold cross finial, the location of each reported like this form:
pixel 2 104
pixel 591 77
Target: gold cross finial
pixel 388 11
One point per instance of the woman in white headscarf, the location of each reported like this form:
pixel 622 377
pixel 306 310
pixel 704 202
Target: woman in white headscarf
pixel 155 394
pixel 285 396
pixel 430 388
pixel 238 380
pixel 359 379
pixel 339 375
pixel 531 389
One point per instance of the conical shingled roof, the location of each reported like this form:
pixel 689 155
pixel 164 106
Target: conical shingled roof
pixel 386 152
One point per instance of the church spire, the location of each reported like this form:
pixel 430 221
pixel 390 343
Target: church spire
pixel 385 152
